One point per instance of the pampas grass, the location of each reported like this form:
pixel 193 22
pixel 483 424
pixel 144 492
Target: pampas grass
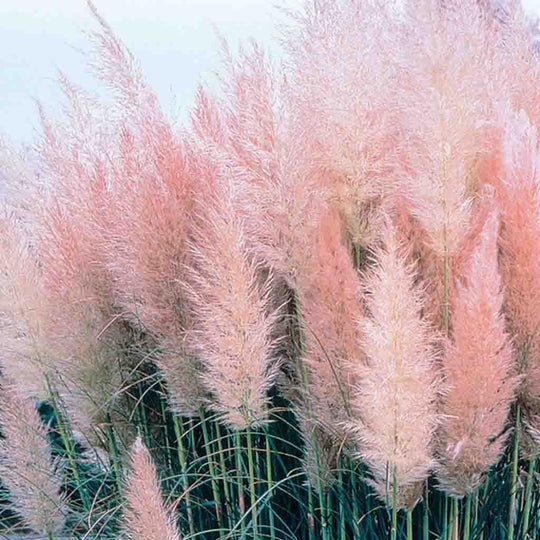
pixel 479 372
pixel 306 301
pixel 146 517
pixel 233 316
pixel 395 394
pixel 26 465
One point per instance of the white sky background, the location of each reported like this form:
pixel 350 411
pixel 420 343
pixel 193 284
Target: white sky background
pixel 174 41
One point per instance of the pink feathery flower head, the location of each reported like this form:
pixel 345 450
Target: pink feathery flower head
pixel 23 313
pixel 518 195
pixel 395 395
pixel 330 301
pixel 26 465
pixel 233 313
pixel 479 372
pixel 146 516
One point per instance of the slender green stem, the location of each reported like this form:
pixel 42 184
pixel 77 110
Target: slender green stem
pixel 223 467
pixel 252 489
pixel 513 479
pixel 167 439
pixel 444 535
pixel 116 462
pixel 467 520
pixel 50 536
pixel 484 498
pixel 179 431
pixel 311 514
pixel 212 469
pixel 240 473
pixel 329 515
pixel 355 509
pixel 409 524
pixel 192 441
pixel 455 520
pixel 342 527
pixel 269 484
pixel 425 517
pixel 357 249
pixel 393 530
pixel 528 497
pixel 142 417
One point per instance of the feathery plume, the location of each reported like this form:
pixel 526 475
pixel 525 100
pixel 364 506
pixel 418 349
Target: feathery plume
pixel 330 301
pixel 26 466
pixel 146 517
pixel 251 141
pixel 233 330
pixel 23 312
pixel 447 100
pixel 113 241
pixel 148 217
pixel 518 193
pixel 351 137
pixel 397 389
pixel 479 372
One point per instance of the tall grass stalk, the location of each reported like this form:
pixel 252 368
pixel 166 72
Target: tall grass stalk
pixel 181 452
pixel 214 478
pixel 467 519
pixel 240 480
pixel 115 454
pixel 355 477
pixel 528 496
pixel 269 485
pixel 252 484
pixel 341 502
pixel 393 526
pixel 514 476
pixel 425 514
pixel 225 478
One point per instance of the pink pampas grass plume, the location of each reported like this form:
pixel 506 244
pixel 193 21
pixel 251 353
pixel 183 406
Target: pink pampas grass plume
pixel 352 137
pixel 26 466
pixel 330 301
pixel 447 75
pixel 23 313
pixel 233 316
pixel 114 238
pixel 518 194
pixel 252 139
pixel 479 372
pixel 147 216
pixel 146 517
pixel 397 388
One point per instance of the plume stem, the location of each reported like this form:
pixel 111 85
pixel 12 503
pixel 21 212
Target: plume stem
pixel 212 469
pixel 393 530
pixel 270 484
pixel 117 467
pixel 467 521
pixel 425 528
pixel 409 524
pixel 513 477
pixel 178 429
pixel 252 490
pixel 528 495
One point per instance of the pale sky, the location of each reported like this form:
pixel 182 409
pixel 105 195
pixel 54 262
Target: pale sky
pixel 174 41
